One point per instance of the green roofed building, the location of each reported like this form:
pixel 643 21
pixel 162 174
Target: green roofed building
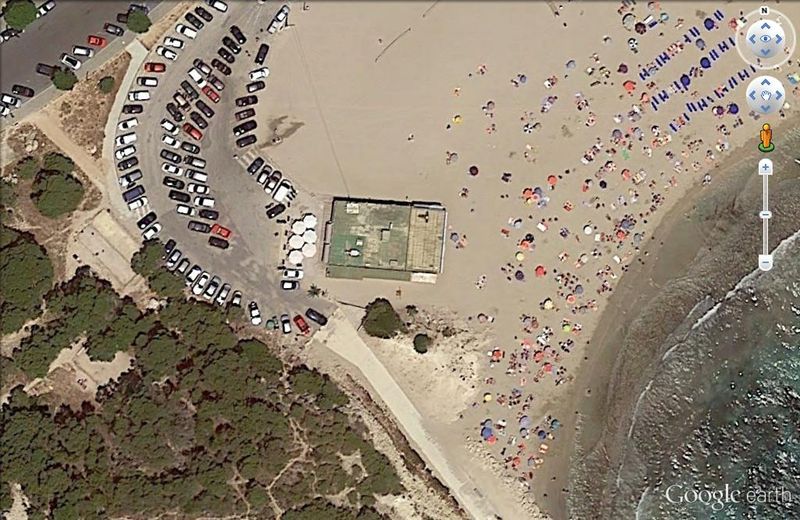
pixel 385 239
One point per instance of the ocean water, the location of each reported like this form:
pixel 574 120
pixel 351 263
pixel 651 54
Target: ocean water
pixel 715 434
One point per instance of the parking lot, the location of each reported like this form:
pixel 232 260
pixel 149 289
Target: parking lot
pixel 251 262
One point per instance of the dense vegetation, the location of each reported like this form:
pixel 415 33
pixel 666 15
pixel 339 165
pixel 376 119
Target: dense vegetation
pixel 106 84
pixel 26 274
pixel 18 14
pixel 204 423
pixel 55 191
pixel 421 343
pixel 381 320
pixel 138 22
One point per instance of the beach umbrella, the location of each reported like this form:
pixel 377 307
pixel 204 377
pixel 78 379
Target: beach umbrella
pixel 529 237
pixel 486 432
pixel 310 221
pixel 628 20
pixel 629 86
pixel 454 237
pixel 520 256
pixel 555 424
pixel 309 250
pixel 552 180
pixel 566 327
pixel 519 275
pixel 310 236
pixel 622 69
pixel 473 170
pixel 664 17
pixel 709 24
pixel 616 134
pixel 570 298
pixel 295 257
pixel 298 226
pixel 492 439
pixel 517 223
pixel 488 423
pixel 620 234
pixel 538 356
pixel 538 191
pixel 540 271
pixel 587 229
pixel 548 367
pixel 487 397
pixel 525 421
pixel 701 43
pixel 490 105
pixel 523 78
pixel 685 80
pixel 523 432
pixel 527 193
pixel 640 28
pixel 296 241
pixel 570 64
pixel 578 289
pixel 457 119
pixel 548 304
pixel 603 184
pixel 541 434
pixel 733 108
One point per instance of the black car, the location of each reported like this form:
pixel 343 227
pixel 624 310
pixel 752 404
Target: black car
pixel 127 163
pixel 218 242
pixel 316 316
pixel 116 30
pixel 275 210
pixel 122 18
pixel 228 42
pixel 226 55
pixel 210 214
pixel 195 21
pixel 221 67
pixel 8 34
pixel 204 108
pixel 255 86
pixel 216 82
pixel 238 34
pixel 189 89
pixel 246 101
pixel 132 109
pixel 201 66
pixel 202 13
pixel 246 141
pixel 169 246
pixel 188 147
pixel 146 220
pixel 263 50
pixel 247 113
pixel 176 114
pixel 256 165
pixel 198 120
pixel 200 227
pixel 172 182
pixel 179 196
pixel 245 127
pixel 170 156
pixel 20 90
pixel 45 70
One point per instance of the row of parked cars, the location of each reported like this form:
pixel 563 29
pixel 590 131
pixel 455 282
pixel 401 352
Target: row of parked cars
pixel 271 180
pixel 285 322
pixel 200 282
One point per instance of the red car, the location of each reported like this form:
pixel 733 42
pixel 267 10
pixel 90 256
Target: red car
pixel 154 67
pixel 221 231
pixel 301 324
pixel 97 41
pixel 211 93
pixel 192 131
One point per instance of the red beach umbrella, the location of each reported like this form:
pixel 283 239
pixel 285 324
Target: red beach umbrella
pixel 540 271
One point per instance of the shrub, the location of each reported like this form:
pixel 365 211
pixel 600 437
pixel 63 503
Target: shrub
pixel 138 22
pixel 58 162
pixel 26 168
pixel 106 85
pixel 55 193
pixel 19 14
pixel 381 320
pixel 64 79
pixel 421 343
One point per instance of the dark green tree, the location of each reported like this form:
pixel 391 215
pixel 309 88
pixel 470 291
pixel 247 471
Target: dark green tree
pixel 381 320
pixel 19 13
pixel 64 79
pixel 55 194
pixel 106 84
pixel 138 22
pixel 26 274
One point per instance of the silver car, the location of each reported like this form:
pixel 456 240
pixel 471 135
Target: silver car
pixel 212 288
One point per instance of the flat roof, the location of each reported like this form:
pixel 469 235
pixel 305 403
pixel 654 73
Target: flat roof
pixel 385 239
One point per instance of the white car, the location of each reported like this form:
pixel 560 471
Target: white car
pixel 70 61
pixel 261 73
pixel 211 289
pixel 11 101
pixel 185 30
pixel 293 274
pixel 4 110
pixel 255 314
pixel 169 126
pixel 197 77
pixel 151 232
pixel 183 209
pixel 219 5
pixel 279 20
pixel 175 43
pixel 262 177
pixel 205 202
pixel 199 189
pixel 171 169
pixel 128 124
pixel 147 81
pixel 193 274
pixel 138 203
pixel 80 50
pixel 122 153
pixel 45 8
pixel 170 141
pixel 200 284
pixel 223 294
pixel 167 53
pixel 125 139
pixel 138 95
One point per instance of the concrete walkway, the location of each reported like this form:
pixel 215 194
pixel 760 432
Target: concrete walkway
pixel 341 337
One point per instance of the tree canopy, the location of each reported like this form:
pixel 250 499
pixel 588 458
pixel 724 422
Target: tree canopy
pixel 26 274
pixel 381 320
pixel 64 79
pixel 55 193
pixel 19 13
pixel 138 22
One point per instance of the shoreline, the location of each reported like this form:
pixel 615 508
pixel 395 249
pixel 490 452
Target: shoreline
pixel 690 244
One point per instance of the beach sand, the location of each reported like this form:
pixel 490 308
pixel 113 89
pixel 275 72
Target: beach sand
pixel 381 95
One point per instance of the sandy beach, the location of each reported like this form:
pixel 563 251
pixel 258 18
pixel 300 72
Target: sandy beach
pixel 555 171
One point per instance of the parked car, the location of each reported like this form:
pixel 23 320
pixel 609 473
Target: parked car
pixel 219 5
pixel 172 259
pixel 192 131
pixel 127 163
pixel 169 246
pixel 205 202
pixel 184 209
pixel 221 231
pixel 172 182
pixel 45 8
pixel 125 139
pixel 170 141
pixel 272 183
pixel 238 35
pixel 246 101
pixel 200 285
pixel 180 101
pixel 198 189
pixel 132 109
pixel 179 196
pixel 256 165
pixel 246 141
pixel 286 324
pixel 195 161
pixel 293 274
pixel 254 312
pixel 129 179
pixel 196 175
pixel 216 82
pixel 147 81
pixel 188 147
pixel 10 101
pixel 228 42
pixel 70 61
pixel 171 169
pixel 247 113
pixel 9 33
pixel 133 193
pixel 81 50
pixel 153 66
pixel 167 53
pixel 198 120
pixel 262 177
pixel 97 41
pixel 209 214
pixel 125 152
pixel 211 93
pixel 212 288
pixel 245 127
pixel 45 70
pixel 183 266
pixel 255 86
pixel 170 156
pixel 197 77
pixel 194 21
pixel 176 114
pixel 137 203
pixel 217 64
pixel 223 294
pixel 221 243
pixel 236 299
pixel 316 316
pixel 127 124
pixel 275 210
pixel 226 55
pixel 200 227
pixel 169 126
pixel 187 31
pixel 261 55
pixel 116 30
pixel 204 108
pixel 301 324
pixel 289 285
pixel 138 95
pixel 151 232
pixel 257 74
pixel 122 18
pixel 189 90
pixel 193 274
pixel 202 13
pixel 21 90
